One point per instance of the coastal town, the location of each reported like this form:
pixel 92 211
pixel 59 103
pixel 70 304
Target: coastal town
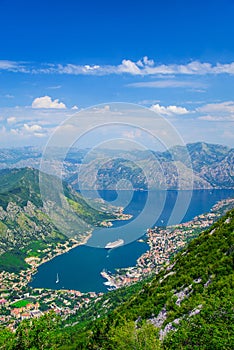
pixel 164 242
pixel 19 301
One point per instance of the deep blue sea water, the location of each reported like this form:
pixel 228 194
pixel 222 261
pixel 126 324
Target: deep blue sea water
pixel 80 267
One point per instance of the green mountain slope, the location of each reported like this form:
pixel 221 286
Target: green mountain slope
pixel 24 221
pixel 190 301
pixel 188 305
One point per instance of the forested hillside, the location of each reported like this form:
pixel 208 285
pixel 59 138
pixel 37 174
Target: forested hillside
pixel 26 227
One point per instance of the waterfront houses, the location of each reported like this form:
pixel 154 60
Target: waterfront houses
pixel 163 243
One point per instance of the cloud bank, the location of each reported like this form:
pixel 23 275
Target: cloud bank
pixel 143 67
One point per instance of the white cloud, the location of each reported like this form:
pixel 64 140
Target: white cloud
pixel 132 134
pixel 128 66
pixel 198 90
pixel 47 102
pixel 224 68
pixel 75 107
pixel 11 120
pixel 13 66
pixel 223 111
pixel 28 130
pixel 32 128
pixel 167 84
pixel 39 134
pixel 223 107
pixel 9 96
pixel 14 131
pixel 104 109
pixel 7 64
pixel 55 87
pixel 75 69
pixel 169 110
pixel 145 61
pixel 217 118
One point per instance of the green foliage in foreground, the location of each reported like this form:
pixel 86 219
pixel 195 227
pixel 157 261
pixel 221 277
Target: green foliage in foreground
pixel 41 333
pixel 205 267
pixel 212 329
pixel 45 333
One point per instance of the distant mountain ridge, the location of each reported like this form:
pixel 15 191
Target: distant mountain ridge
pixel 212 167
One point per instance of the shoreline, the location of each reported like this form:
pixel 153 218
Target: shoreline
pixel 32 261
pixel 35 263
pixel 157 255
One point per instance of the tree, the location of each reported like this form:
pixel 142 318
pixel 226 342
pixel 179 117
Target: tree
pixel 39 333
pixel 129 337
pixel 6 339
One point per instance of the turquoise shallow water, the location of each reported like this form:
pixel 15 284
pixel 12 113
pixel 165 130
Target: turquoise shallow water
pixel 80 268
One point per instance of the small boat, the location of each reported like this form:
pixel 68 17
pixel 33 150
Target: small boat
pixel 114 244
pixel 57 280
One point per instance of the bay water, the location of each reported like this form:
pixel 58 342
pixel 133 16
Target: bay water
pixel 80 268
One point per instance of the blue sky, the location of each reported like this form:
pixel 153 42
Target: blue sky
pixel 174 57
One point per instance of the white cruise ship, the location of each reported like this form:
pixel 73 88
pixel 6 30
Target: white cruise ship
pixel 114 244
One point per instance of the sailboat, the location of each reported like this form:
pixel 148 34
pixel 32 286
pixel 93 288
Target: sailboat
pixel 57 280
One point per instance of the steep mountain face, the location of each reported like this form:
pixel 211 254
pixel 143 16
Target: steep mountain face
pixel 202 153
pixel 220 172
pixel 188 305
pixel 161 176
pixel 212 167
pixel 24 220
